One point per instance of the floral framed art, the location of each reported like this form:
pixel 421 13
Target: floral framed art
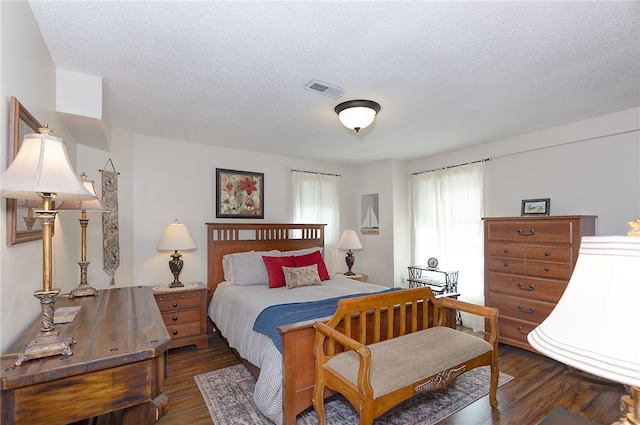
pixel 239 194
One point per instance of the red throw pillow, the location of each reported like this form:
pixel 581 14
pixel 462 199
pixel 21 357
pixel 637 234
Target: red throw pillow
pixel 312 258
pixel 274 269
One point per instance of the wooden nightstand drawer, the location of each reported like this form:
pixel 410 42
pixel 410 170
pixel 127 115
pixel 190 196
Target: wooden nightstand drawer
pixel 181 317
pixel 183 331
pixel 177 304
pixel 184 313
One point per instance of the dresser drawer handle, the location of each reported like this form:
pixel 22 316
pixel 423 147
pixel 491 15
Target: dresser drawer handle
pixel 546 269
pixel 175 305
pixel 175 318
pixel 546 254
pixel 531 310
pixel 530 288
pixel 531 232
pixel 506 251
pixel 505 265
pixel 175 332
pixel 519 329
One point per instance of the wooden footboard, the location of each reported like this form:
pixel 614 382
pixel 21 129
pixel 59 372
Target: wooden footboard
pixel 298 365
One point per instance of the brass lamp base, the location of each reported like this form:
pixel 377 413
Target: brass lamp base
pixel 630 405
pixel 46 343
pixel 84 289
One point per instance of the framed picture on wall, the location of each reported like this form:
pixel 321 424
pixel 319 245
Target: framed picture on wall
pixel 535 206
pixel 239 194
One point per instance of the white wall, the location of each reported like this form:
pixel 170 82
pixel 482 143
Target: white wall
pixel 28 73
pixel 588 167
pixel 176 180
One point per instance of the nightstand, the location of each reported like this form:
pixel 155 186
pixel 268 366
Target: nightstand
pixel 184 312
pixel 358 276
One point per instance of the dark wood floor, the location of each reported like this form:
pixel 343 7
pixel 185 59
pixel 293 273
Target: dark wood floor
pixel 540 385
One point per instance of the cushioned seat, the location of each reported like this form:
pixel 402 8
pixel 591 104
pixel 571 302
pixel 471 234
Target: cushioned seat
pixel 424 353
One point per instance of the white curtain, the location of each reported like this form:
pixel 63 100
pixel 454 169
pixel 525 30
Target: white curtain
pixel 448 210
pixel 316 199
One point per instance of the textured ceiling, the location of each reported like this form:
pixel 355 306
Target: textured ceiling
pixel 448 75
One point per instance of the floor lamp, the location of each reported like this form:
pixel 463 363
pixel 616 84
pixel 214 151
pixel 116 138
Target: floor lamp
pixel 85 206
pixel 42 170
pixel 595 327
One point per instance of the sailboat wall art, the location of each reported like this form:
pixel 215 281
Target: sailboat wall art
pixel 370 218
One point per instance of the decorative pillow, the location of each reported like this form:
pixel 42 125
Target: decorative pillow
pixel 313 258
pixel 296 277
pixel 246 268
pixel 274 267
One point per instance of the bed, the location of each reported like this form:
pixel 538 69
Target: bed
pixel 285 383
pixel 285 379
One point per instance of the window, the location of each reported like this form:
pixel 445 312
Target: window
pixel 447 224
pixel 316 200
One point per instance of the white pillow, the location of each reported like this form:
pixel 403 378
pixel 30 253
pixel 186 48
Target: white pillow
pixel 246 268
pixel 303 251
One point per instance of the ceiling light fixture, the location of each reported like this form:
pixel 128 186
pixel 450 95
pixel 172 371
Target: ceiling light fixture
pixel 357 114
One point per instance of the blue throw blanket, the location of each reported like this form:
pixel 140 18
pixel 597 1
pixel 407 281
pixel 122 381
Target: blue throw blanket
pixel 273 316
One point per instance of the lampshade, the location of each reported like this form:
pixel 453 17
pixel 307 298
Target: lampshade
pixel 90 205
pixel 595 327
pixel 42 166
pixel 176 237
pixel 357 114
pixel 349 240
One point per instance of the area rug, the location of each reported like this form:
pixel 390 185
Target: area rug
pixel 228 394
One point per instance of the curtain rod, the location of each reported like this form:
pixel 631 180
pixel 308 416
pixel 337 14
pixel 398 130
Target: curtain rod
pixel 451 166
pixel 315 172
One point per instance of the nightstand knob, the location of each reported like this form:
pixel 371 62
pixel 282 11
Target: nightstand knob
pixel 175 305
pixel 175 332
pixel 175 318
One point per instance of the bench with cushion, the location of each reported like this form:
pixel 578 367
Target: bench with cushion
pixel 379 350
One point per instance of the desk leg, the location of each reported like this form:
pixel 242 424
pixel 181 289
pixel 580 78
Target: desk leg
pixel 147 413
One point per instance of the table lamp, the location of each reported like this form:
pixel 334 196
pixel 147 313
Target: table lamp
pixel 595 327
pixel 42 171
pixel 349 241
pixel 84 206
pixel 176 237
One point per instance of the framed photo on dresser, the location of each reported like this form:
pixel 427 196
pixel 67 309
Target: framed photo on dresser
pixel 535 206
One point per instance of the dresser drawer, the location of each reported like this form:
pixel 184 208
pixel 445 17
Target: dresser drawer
pixel 558 254
pixel 505 250
pixel 519 307
pixel 531 231
pixel 177 303
pixel 506 265
pixel 524 286
pixel 184 330
pixel 549 270
pixel 181 317
pixel 515 329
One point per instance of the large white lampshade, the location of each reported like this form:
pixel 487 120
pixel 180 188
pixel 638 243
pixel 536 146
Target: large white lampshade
pixel 42 166
pixel 595 327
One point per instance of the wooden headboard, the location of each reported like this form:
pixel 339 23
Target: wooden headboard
pixel 227 238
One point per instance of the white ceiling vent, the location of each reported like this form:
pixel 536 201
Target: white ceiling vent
pixel 324 88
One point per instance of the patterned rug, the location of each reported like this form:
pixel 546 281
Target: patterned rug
pixel 228 393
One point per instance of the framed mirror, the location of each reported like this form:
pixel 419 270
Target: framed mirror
pixel 22 222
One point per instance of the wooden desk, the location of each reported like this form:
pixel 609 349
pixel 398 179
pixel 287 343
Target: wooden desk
pixel 119 364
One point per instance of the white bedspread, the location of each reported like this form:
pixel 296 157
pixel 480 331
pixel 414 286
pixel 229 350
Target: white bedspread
pixel 234 309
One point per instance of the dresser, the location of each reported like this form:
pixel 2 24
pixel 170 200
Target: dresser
pixel 117 368
pixel 528 263
pixel 184 312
